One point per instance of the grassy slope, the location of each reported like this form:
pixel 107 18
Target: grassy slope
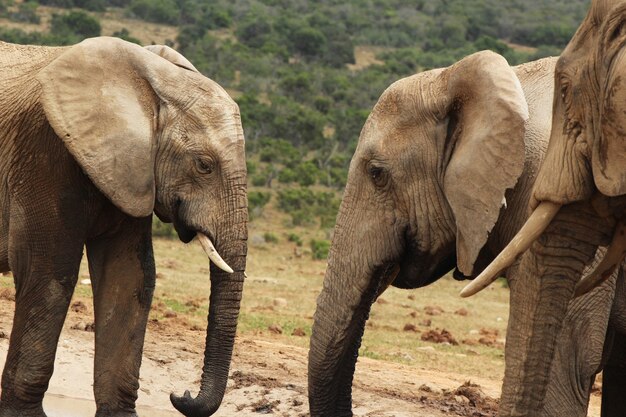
pixel 111 21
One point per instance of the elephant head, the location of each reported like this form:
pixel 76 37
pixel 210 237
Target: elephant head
pixel 425 188
pixel 154 135
pixel 577 200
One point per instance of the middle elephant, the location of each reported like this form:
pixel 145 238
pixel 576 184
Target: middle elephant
pixel 441 178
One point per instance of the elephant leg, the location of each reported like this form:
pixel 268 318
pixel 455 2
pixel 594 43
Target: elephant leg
pixel 45 270
pixel 614 372
pixel 123 278
pixel 614 379
pixel 579 352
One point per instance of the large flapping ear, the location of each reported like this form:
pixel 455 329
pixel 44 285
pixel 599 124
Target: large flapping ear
pixel 171 55
pixel 99 97
pixel 487 114
pixel 609 145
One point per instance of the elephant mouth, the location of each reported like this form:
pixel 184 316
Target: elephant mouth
pixel 184 231
pixel 413 275
pixel 185 234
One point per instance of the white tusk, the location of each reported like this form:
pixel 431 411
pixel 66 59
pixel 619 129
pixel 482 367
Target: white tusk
pixel 530 231
pixel 613 257
pixel 215 257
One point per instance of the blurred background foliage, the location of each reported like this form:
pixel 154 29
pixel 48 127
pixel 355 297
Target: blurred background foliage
pixel 307 73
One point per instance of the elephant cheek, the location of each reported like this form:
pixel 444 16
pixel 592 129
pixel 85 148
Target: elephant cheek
pixel 609 147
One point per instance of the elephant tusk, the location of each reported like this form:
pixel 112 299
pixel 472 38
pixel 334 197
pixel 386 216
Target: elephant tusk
pixel 215 257
pixel 530 231
pixel 613 257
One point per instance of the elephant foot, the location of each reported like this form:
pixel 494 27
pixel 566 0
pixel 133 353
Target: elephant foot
pixel 31 411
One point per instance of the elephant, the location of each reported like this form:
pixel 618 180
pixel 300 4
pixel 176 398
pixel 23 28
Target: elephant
pixel 94 139
pixel 440 180
pixel 578 203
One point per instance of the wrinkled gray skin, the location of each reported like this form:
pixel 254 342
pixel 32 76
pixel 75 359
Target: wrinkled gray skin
pixel 93 139
pixel 436 159
pixel 584 170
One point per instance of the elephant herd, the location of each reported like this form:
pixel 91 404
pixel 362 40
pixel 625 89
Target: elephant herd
pixel 482 168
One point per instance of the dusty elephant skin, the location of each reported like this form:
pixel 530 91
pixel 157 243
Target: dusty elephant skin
pixel 93 139
pixel 441 177
pixel 583 177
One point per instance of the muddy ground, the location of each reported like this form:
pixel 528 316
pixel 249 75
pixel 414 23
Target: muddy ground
pixel 266 377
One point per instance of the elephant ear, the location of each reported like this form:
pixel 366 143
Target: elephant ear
pixel 609 146
pixel 99 97
pixel 486 114
pixel 171 55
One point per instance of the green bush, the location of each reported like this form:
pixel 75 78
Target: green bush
pixel 75 23
pixel 255 32
pixel 159 11
pixel 287 175
pixel 92 5
pixel 257 200
pixel 307 173
pixel 320 249
pixel 258 180
pixel 26 12
pixel 304 205
pixel 161 229
pixel 19 36
pixel 270 237
pixel 292 237
pixel 125 34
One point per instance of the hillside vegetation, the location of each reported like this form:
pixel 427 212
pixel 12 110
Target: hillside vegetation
pixel 305 73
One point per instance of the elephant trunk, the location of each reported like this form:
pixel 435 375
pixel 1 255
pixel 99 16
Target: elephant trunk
pixel 539 298
pixel 343 307
pixel 224 303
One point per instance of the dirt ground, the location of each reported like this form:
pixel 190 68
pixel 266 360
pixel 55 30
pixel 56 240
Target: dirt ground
pixel 425 353
pixel 266 377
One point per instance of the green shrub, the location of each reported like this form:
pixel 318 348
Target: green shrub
pixel 259 180
pixel 161 229
pixel 92 5
pixel 307 173
pixel 287 175
pixel 19 36
pixel 26 12
pixel 159 11
pixel 320 249
pixel 292 237
pixel 302 217
pixel 256 201
pixel 251 167
pixel 304 205
pixel 125 34
pixel 270 237
pixel 76 23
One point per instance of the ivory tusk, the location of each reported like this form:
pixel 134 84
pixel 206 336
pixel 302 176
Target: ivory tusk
pixel 613 257
pixel 530 231
pixel 215 257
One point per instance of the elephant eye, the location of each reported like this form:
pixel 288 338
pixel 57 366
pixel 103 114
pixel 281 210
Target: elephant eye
pixel 377 174
pixel 204 166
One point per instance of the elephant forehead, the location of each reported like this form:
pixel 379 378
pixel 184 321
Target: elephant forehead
pixel 389 103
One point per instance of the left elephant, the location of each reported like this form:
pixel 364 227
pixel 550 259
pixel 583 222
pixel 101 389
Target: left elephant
pixel 94 138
